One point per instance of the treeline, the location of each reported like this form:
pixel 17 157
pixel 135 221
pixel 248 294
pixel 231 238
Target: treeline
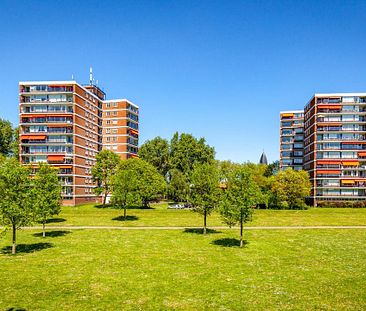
pixel 184 169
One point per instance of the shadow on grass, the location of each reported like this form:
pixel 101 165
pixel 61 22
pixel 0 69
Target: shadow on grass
pixel 16 309
pixel 27 248
pixel 128 218
pixel 54 220
pixel 103 206
pixel 200 230
pixel 229 242
pixel 52 234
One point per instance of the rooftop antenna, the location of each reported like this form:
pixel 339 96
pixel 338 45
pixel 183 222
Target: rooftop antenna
pixel 72 77
pixel 91 75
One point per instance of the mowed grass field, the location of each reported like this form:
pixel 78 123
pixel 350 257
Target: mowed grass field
pixel 320 269
pixel 160 215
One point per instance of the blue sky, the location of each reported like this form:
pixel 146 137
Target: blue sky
pixel 217 69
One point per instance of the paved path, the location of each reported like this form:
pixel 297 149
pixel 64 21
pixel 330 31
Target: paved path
pixel 188 227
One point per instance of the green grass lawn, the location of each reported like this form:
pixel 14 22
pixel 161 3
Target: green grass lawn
pixel 160 215
pixel 177 270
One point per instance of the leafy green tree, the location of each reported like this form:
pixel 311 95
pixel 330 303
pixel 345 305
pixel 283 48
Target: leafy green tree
pixel 156 152
pixel 46 194
pixel 178 186
pixel 186 151
pixel 241 195
pixel 6 137
pixel 124 189
pixel 205 191
pixel 16 208
pixel 146 182
pixel 102 172
pixel 289 190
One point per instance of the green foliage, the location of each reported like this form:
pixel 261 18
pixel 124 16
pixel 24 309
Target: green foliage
pixel 46 193
pixel 289 190
pixel 146 184
pixel 156 152
pixel 103 170
pixel 272 169
pixel 178 186
pixel 16 207
pixel 240 197
pixel 15 143
pixel 205 191
pixel 186 151
pixel 6 137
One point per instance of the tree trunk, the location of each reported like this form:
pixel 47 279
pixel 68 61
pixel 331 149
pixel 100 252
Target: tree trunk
pixel 241 227
pixel 204 220
pixel 44 229
pixel 105 197
pixel 14 248
pixel 125 213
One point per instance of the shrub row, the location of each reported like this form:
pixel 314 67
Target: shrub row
pixel 339 204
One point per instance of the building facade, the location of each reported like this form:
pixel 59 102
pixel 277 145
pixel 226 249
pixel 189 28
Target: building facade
pixel 335 146
pixel 291 139
pixel 120 127
pixel 61 123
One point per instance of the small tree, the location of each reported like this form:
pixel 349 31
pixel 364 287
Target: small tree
pixel 205 191
pixel 156 152
pixel 16 208
pixel 102 172
pixel 46 194
pixel 124 193
pixel 241 195
pixel 6 137
pixel 289 190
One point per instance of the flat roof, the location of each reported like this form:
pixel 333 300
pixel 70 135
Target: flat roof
pixel 292 111
pixel 120 100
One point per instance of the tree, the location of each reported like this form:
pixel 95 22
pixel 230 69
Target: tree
pixel 6 137
pixel 16 208
pixel 241 195
pixel 156 152
pixel 102 172
pixel 146 184
pixel 289 189
pixel 205 191
pixel 186 151
pixel 46 194
pixel 178 186
pixel 124 193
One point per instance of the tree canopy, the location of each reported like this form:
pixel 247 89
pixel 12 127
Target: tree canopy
pixel 105 167
pixel 289 189
pixel 6 137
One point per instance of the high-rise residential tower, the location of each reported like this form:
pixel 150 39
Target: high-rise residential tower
pixel 335 146
pixel 291 139
pixel 61 123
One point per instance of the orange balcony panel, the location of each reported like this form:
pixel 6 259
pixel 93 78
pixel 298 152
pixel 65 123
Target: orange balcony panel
pixel 348 181
pixel 324 106
pixel 33 137
pixel 362 154
pixel 55 158
pixel 329 162
pixel 287 115
pixel 328 172
pixel 25 115
pixel 134 132
pixel 329 124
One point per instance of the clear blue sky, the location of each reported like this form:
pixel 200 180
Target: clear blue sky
pixel 218 69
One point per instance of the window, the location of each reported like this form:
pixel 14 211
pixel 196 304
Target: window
pixel 115 104
pixel 107 131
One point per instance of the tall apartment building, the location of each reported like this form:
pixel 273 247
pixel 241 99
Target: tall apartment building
pixel 335 146
pixel 291 139
pixel 61 123
pixel 120 127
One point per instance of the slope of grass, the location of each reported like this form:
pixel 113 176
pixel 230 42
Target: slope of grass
pixel 177 270
pixel 160 215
